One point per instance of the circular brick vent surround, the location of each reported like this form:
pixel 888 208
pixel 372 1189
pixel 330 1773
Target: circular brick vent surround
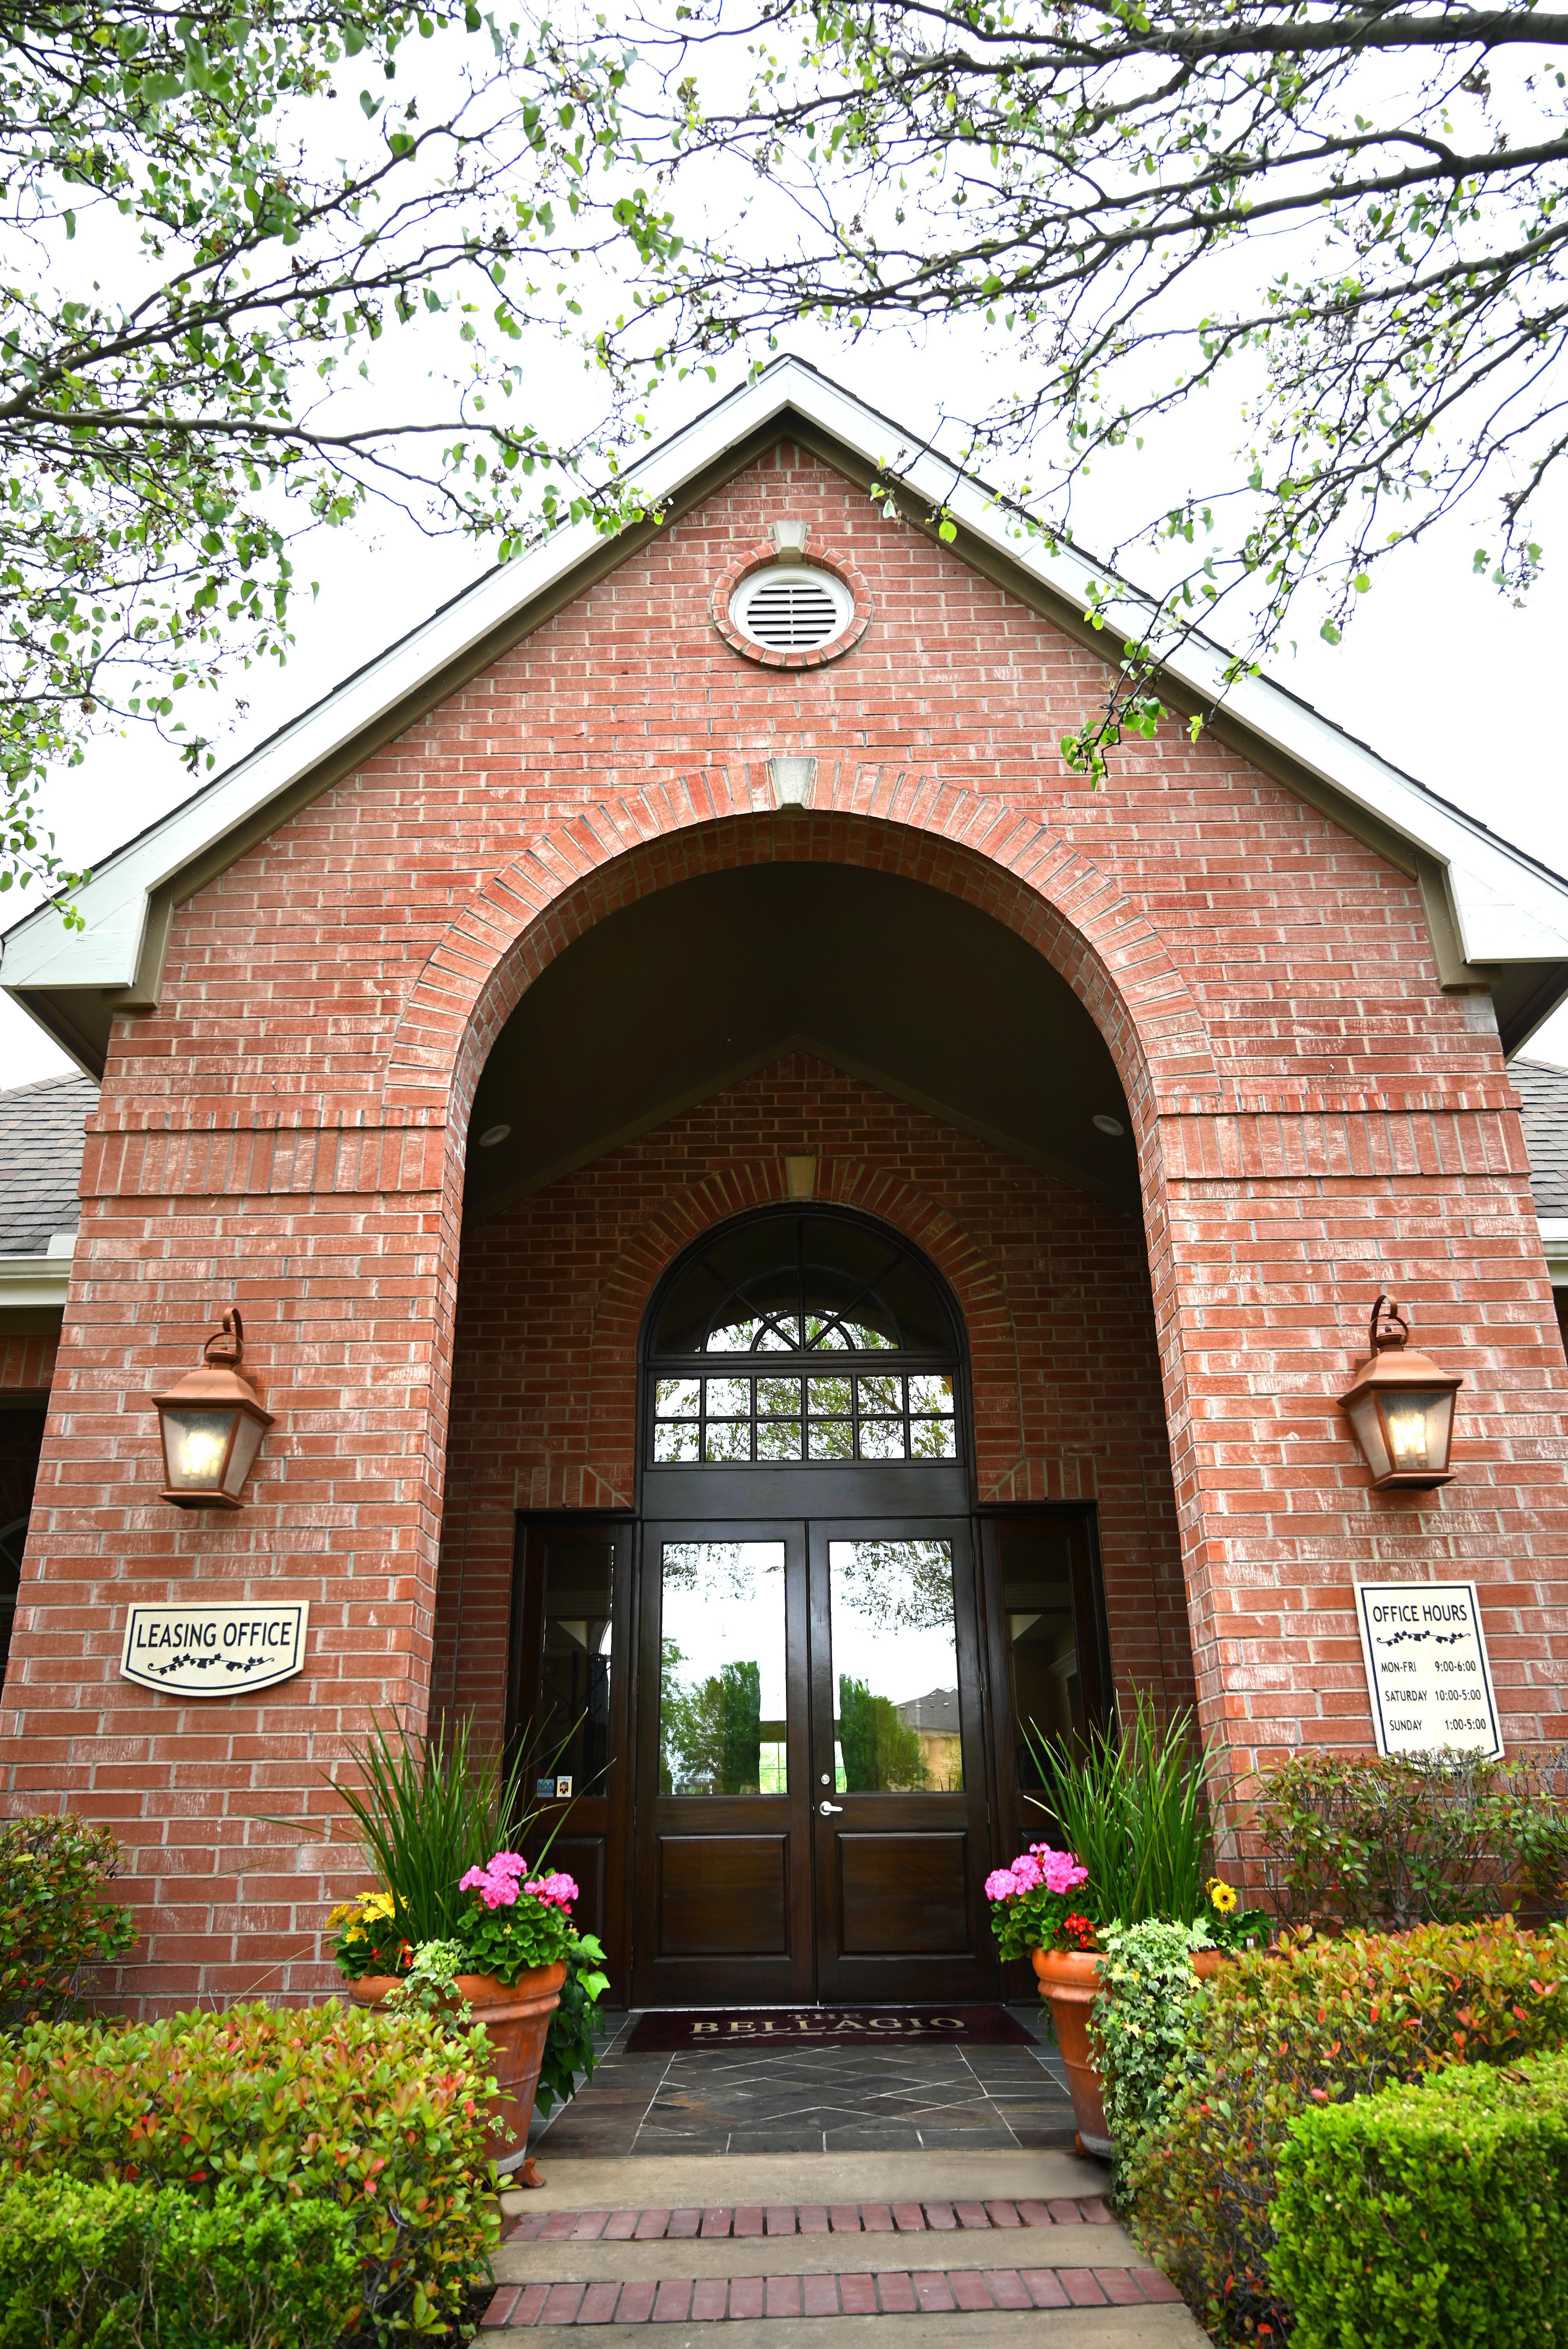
pixel 794 612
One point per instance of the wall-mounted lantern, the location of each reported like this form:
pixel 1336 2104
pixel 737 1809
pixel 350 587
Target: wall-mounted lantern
pixel 212 1424
pixel 1401 1407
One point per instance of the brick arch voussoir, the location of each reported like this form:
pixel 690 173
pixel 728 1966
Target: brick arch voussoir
pixel 678 1220
pixel 708 820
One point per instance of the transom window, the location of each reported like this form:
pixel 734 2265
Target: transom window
pixel 821 1338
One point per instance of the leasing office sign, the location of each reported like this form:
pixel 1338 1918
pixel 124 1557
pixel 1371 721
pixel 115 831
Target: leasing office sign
pixel 213 1650
pixel 1427 1672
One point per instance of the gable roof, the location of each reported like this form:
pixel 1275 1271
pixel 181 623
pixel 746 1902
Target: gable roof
pixel 41 1160
pixel 1498 918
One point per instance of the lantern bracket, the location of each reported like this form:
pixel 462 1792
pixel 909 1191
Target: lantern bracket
pixel 1387 1329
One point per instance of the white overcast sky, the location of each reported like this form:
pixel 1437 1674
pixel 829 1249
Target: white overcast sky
pixel 1438 672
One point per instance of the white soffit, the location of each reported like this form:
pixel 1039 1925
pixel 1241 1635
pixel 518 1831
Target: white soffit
pixel 1510 909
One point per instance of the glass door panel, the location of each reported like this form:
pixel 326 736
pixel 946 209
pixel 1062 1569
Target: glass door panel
pixel 894 1668
pixel 723 1701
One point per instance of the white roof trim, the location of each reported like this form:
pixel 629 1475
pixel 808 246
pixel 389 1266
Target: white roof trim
pixel 1510 909
pixel 1554 1241
pixel 34 1281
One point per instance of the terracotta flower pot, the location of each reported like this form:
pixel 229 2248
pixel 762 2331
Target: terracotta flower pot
pixel 1069 1978
pixel 517 2018
pixel 1206 1963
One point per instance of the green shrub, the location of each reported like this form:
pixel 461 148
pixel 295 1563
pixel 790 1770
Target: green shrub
pixel 1432 2213
pixel 1386 1842
pixel 1141 2024
pixel 52 1921
pixel 383 2114
pixel 131 2267
pixel 1319 2024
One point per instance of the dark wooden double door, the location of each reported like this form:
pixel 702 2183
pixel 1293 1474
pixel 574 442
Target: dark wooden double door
pixel 702 1688
pixel 810 1773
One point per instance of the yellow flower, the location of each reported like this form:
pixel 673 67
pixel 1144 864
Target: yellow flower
pixel 1222 1894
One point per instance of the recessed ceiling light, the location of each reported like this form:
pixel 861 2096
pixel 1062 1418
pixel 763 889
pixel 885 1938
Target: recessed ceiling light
pixel 1109 1124
pixel 494 1133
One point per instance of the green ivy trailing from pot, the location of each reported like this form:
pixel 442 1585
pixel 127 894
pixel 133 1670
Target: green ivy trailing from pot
pixel 1140 2022
pixel 568 2051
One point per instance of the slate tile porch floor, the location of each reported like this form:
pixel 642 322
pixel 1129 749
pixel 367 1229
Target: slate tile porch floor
pixel 856 2098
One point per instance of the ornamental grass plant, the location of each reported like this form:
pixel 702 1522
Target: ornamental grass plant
pixel 428 1810
pixel 443 1827
pixel 1132 1806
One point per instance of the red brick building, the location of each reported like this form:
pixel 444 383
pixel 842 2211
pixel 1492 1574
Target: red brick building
pixel 694 944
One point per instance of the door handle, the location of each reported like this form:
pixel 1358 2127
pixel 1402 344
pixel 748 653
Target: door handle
pixel 830 1810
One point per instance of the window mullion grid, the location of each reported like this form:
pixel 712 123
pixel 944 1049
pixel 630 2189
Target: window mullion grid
pixel 852 1368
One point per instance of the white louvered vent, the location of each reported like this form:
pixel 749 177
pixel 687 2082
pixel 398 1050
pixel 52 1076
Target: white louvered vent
pixel 792 607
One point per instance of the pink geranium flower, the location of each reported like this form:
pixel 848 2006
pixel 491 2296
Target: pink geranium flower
pixel 497 1883
pixel 557 1890
pixel 1058 1872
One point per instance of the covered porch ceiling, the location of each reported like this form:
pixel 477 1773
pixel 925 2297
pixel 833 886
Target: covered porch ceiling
pixel 697 985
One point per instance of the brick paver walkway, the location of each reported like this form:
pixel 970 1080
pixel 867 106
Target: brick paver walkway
pixel 899 2292
pixel 880 2290
pixel 800 2219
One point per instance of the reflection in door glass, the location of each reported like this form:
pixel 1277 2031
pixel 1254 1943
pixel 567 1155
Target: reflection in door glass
pixel 721 1683
pixel 574 1722
pixel 895 1667
pixel 1042 1646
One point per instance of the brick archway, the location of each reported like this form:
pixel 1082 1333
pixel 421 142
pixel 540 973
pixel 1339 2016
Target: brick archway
pixel 676 1222
pixel 972 847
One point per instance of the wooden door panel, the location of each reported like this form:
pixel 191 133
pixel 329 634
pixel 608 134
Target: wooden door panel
pixel 904 1895
pixel 1049 1663
pixel 723 1892
pixel 898 1772
pixel 723 1896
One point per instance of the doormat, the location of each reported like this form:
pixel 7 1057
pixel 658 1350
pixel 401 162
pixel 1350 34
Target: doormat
pixel 665 2031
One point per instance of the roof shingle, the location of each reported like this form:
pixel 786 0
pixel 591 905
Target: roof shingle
pixel 41 1143
pixel 1544 1089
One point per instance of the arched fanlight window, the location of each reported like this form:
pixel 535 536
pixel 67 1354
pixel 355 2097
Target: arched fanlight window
pixel 822 1337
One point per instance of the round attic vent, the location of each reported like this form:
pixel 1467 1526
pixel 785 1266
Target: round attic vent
pixel 792 607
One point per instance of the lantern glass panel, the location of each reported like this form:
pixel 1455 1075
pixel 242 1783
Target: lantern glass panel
pixel 196 1446
pixel 1369 1426
pixel 247 1443
pixel 1416 1426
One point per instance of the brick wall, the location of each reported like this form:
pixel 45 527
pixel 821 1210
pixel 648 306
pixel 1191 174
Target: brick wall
pixel 1314 1119
pixel 1054 1290
pixel 27 1368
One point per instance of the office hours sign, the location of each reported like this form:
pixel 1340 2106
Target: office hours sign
pixel 1426 1668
